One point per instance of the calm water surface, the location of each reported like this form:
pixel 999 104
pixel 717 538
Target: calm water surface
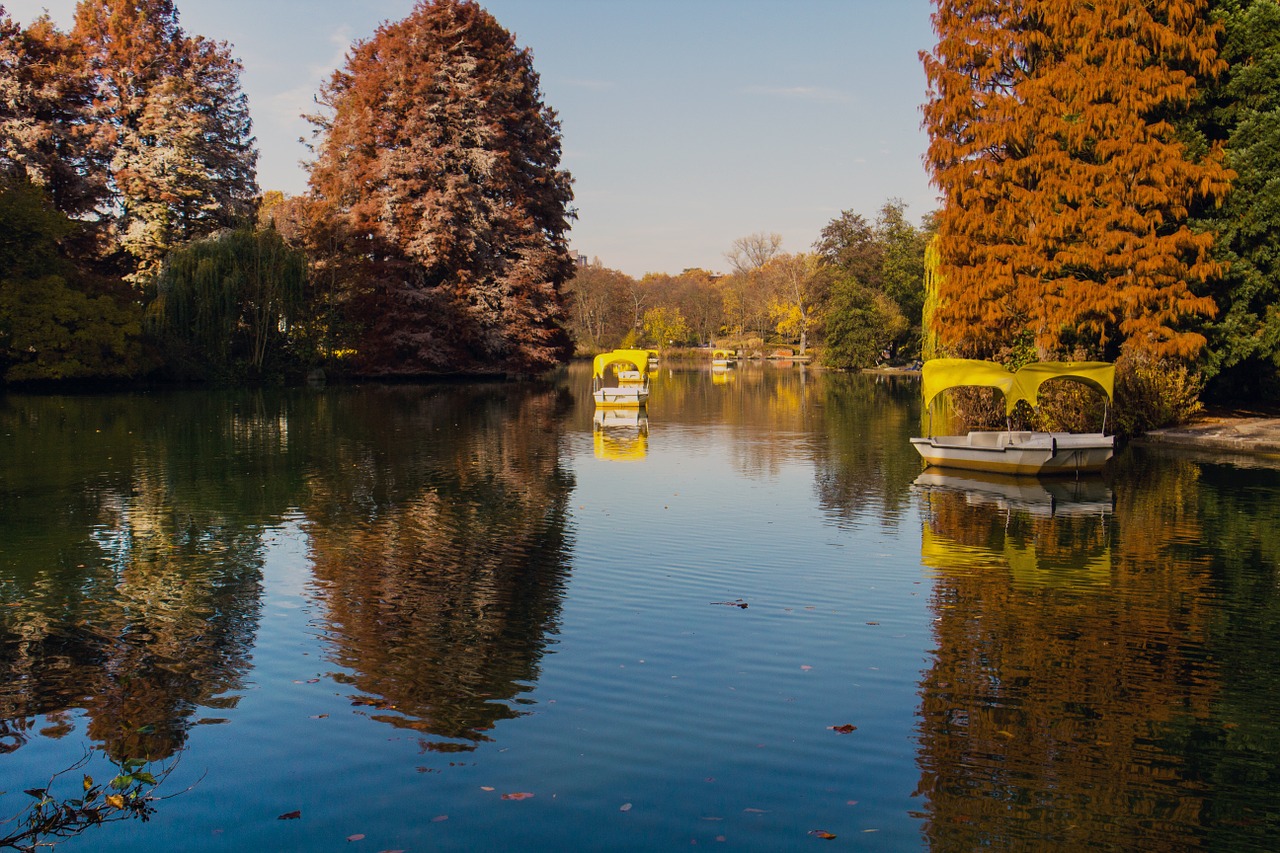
pixel 468 617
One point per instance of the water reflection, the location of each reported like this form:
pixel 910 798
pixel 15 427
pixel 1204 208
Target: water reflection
pixel 133 535
pixel 440 546
pixel 1036 532
pixel 620 435
pixel 122 595
pixel 1081 694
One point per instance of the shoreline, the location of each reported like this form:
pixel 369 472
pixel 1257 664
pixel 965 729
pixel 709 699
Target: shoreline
pixel 1232 434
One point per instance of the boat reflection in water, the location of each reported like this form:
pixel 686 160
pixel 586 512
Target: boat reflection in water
pixel 1043 532
pixel 621 435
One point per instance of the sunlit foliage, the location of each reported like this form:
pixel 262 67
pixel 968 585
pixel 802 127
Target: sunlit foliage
pixel 169 114
pixel 1066 187
pixel 438 168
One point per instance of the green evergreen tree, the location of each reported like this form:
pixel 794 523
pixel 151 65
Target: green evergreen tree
pixel 1243 353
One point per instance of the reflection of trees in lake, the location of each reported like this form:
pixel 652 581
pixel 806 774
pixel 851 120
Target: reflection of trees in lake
pixel 130 560
pixel 438 537
pixel 1230 522
pixel 852 427
pixel 1057 709
pixel 861 469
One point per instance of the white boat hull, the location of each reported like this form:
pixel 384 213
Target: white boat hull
pixel 625 396
pixel 1035 453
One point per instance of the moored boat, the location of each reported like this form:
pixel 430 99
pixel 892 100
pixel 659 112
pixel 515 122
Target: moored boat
pixel 1016 451
pixel 628 392
pixel 721 359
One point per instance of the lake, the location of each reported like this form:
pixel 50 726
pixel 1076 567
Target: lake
pixel 470 617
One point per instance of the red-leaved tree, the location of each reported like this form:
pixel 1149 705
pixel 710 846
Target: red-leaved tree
pixel 437 169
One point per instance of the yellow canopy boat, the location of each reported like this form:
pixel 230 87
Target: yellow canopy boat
pixel 629 368
pixel 722 358
pixel 1010 451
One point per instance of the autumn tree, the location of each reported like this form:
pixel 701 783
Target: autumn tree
pixel 694 293
pixel 753 251
pixel 1243 111
pixel 798 285
pixel 46 126
pixel 174 122
pixel 439 166
pixel 1066 186
pixel 598 306
pixel 665 326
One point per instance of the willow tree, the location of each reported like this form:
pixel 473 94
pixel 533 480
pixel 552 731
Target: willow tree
pixel 226 305
pixel 1066 188
pixel 438 163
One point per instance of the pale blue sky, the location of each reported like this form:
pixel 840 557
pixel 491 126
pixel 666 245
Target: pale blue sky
pixel 686 123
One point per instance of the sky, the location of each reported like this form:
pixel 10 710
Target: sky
pixel 686 124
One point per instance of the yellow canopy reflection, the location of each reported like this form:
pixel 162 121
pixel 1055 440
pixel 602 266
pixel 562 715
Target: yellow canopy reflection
pixel 1043 534
pixel 620 435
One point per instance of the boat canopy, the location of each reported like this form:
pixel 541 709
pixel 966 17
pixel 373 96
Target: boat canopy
pixel 722 353
pixel 636 359
pixel 941 374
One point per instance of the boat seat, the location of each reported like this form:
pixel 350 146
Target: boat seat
pixel 987 439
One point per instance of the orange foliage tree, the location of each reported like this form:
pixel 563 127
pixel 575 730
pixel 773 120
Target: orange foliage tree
pixel 1066 188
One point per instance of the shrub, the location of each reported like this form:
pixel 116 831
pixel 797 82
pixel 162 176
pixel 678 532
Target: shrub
pixel 1153 393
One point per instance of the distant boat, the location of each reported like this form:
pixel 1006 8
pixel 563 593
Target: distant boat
pixel 721 359
pixel 628 392
pixel 1016 451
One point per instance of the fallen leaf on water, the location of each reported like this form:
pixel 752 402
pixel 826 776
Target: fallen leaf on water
pixel 756 811
pixel 486 787
pixel 737 602
pixel 519 795
pixel 290 816
pixel 439 818
pixel 821 833
pixel 843 730
pixel 359 836
pixel 319 716
pixel 625 807
pixel 390 851
pixel 1005 734
pixel 805 667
